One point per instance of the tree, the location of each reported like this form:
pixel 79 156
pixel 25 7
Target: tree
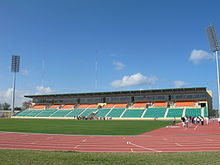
pixel 5 106
pixel 26 104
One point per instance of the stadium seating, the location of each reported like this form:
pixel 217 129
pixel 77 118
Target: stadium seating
pixel 155 112
pixel 120 105
pixel 33 113
pixel 193 112
pixel 206 111
pixel 61 113
pixel 75 113
pixel 108 106
pixel 82 106
pixel 185 103
pixel 46 113
pixel 102 112
pixel 94 106
pixel 116 112
pixel 23 113
pixel 68 106
pixel 133 113
pixel 160 104
pixel 175 112
pixel 139 106
pixel 39 106
pixel 87 112
pixel 55 106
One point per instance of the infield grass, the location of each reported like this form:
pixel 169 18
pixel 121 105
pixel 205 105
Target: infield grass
pixel 81 127
pixel 25 157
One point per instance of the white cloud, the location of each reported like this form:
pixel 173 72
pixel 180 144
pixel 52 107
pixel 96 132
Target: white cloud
pixel 199 55
pixel 43 90
pixel 180 84
pixel 6 96
pixel 132 80
pixel 118 65
pixel 25 72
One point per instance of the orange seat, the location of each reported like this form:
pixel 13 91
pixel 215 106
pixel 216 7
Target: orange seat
pixel 160 104
pixel 139 105
pixel 108 106
pixel 82 106
pixel 68 106
pixel 120 105
pixel 54 106
pixel 185 103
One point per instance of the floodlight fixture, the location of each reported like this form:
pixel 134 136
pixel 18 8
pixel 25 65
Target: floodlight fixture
pixel 215 47
pixel 15 64
pixel 213 41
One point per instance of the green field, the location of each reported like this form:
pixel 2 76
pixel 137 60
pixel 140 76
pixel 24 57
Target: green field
pixel 25 157
pixel 81 127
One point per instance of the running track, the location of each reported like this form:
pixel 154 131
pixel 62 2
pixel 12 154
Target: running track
pixel 168 139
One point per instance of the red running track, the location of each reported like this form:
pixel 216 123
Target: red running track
pixel 168 139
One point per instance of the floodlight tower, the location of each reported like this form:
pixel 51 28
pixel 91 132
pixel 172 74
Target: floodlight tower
pixel 215 47
pixel 15 62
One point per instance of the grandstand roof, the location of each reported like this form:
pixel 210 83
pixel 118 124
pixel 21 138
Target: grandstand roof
pixel 135 92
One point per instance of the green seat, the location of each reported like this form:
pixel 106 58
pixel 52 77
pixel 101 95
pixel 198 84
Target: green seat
pixel 87 112
pixel 102 112
pixel 116 112
pixel 33 113
pixel 194 112
pixel 175 112
pixel 46 113
pixel 23 113
pixel 75 112
pixel 155 112
pixel 133 113
pixel 61 113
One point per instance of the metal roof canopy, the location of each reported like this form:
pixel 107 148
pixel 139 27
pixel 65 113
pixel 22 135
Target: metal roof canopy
pixel 122 93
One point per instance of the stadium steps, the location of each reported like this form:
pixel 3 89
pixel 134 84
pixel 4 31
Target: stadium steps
pixel 60 113
pixel 133 113
pixel 175 112
pixel 184 112
pixel 33 113
pixel 87 112
pixel 102 112
pixel 46 113
pixel 53 113
pixel 75 113
pixel 144 113
pixel 165 115
pixel 110 111
pixel 123 112
pixel 68 113
pixel 116 112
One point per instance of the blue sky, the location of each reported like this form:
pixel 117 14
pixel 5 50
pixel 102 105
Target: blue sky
pixel 71 46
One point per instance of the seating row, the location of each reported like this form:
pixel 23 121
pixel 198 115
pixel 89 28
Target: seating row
pixel 154 112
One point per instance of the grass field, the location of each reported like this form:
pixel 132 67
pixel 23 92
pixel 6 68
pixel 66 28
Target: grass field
pixel 81 127
pixel 25 157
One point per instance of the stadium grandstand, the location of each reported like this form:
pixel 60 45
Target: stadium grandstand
pixel 139 104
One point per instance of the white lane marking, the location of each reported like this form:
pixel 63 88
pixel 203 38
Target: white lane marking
pixel 196 127
pixel 143 147
pixel 178 144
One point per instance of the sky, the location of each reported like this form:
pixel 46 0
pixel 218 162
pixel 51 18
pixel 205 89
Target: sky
pixel 74 46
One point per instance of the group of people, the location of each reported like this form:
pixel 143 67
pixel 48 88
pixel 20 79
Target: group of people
pixel 91 118
pixel 194 120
